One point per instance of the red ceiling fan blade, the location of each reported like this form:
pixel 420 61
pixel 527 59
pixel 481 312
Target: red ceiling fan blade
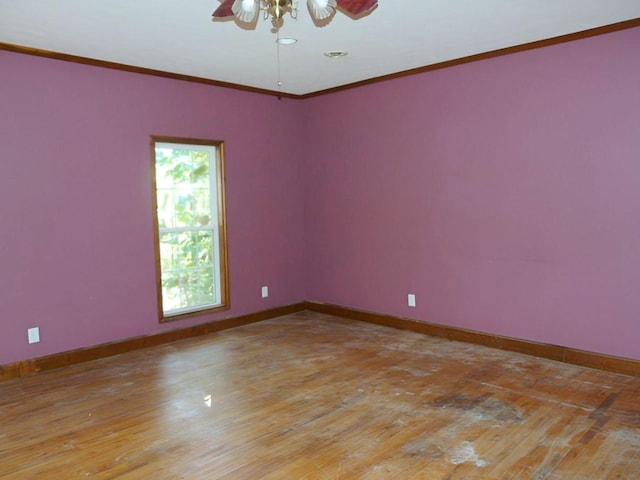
pixel 357 7
pixel 224 10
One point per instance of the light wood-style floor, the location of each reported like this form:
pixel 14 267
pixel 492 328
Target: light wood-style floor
pixel 309 396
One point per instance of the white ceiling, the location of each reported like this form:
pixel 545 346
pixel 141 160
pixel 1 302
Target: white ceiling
pixel 178 36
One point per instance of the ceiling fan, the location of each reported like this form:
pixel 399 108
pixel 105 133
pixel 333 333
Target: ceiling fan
pixel 247 11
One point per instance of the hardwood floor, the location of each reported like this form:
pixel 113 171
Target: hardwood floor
pixel 310 396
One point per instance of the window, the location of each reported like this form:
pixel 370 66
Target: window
pixel 191 245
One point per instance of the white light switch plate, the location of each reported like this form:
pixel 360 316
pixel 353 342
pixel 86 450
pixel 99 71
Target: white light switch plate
pixel 265 292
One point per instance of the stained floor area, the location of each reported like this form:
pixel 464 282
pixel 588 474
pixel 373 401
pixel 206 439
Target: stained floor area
pixel 310 396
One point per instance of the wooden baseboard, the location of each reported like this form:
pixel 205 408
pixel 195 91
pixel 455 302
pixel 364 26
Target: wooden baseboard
pixel 572 356
pixel 63 359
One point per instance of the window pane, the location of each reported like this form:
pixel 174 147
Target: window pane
pixel 202 207
pixel 206 288
pixel 200 165
pixel 182 181
pixel 205 248
pixel 170 256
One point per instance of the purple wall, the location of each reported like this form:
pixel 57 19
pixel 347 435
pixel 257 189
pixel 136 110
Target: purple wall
pixel 504 193
pixel 76 251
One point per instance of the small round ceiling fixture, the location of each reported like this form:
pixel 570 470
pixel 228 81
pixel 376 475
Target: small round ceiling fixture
pixel 335 54
pixel 286 41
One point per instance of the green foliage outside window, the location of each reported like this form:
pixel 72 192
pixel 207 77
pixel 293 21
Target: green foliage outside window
pixel 187 230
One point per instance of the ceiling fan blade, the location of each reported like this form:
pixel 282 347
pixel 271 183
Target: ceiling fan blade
pixel 224 10
pixel 357 7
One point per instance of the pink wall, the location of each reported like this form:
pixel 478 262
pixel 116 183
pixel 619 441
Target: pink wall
pixel 76 251
pixel 505 194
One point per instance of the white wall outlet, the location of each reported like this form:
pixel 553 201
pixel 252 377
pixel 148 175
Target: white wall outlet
pixel 265 292
pixel 411 300
pixel 33 334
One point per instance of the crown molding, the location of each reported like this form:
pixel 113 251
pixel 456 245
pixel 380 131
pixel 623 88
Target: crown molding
pixel 592 32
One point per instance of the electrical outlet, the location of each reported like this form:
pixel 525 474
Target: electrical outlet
pixel 33 334
pixel 411 300
pixel 265 292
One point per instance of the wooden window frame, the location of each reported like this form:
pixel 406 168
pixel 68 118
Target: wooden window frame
pixel 223 266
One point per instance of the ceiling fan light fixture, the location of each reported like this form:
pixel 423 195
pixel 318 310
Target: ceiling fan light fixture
pixel 322 11
pixel 277 8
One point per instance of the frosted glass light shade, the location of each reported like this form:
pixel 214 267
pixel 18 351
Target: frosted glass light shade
pixel 321 9
pixel 246 10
